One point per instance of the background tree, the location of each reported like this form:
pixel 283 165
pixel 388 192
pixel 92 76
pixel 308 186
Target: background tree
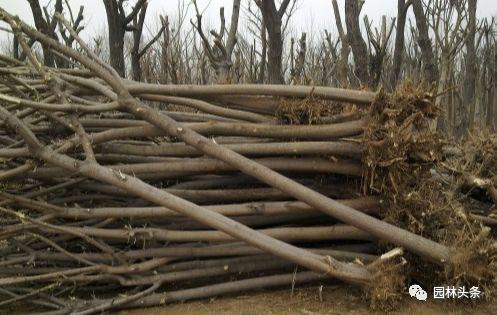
pixel 402 8
pixel 273 23
pixel 446 19
pixel 424 42
pixel 220 52
pixel 343 67
pixel 47 25
pixel 378 42
pixel 354 37
pixel 470 75
pixel 119 23
pixel 136 52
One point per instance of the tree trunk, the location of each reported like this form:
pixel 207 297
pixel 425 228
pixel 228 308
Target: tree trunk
pixel 272 20
pixel 424 42
pixel 116 37
pixel 262 69
pixel 444 76
pixel 275 53
pixel 399 42
pixel 343 65
pixel 43 26
pixel 15 48
pixel 116 47
pixel 470 75
pixel 138 23
pixel 136 66
pixel 356 42
pixel 492 104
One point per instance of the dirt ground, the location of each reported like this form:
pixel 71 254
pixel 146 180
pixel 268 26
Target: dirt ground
pixel 307 301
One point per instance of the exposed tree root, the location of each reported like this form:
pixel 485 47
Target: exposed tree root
pixel 404 163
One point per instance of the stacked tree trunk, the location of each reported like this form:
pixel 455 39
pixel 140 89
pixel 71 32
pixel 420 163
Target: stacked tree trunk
pixel 144 194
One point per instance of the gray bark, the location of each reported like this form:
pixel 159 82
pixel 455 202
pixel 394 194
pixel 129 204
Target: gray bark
pixel 402 8
pixel 424 42
pixel 272 18
pixel 470 75
pixel 357 43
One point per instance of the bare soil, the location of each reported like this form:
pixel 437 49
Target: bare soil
pixel 334 300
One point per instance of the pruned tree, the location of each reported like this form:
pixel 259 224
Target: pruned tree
pixel 165 60
pixel 257 28
pixel 119 23
pixel 137 52
pixel 331 61
pixel 354 37
pixel 273 22
pixel 402 8
pixel 491 43
pixel 470 71
pixel 413 60
pixel 220 52
pixel 379 41
pixel 446 18
pixel 493 102
pixel 47 25
pixel 424 42
pixel 298 62
pixel 76 24
pixel 343 67
pixel 173 57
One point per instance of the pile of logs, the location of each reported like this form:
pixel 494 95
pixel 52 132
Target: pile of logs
pixel 119 194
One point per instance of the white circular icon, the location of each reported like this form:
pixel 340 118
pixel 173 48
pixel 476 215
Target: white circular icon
pixel 418 292
pixel 422 295
pixel 413 289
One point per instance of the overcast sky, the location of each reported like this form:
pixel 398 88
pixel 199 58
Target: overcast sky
pixel 315 15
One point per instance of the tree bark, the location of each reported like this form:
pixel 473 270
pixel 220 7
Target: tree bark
pixel 135 51
pixel 470 75
pixel 219 54
pixel 117 31
pixel 47 28
pixel 272 18
pixel 357 43
pixel 424 42
pixel 402 8
pixel 442 121
pixel 262 67
pixel 492 104
pixel 343 66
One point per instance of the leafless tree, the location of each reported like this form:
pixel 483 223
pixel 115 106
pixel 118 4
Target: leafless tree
pixel 424 42
pixel 136 52
pixel 273 22
pixel 47 25
pixel 118 24
pixel 175 47
pixel 331 61
pixel 76 24
pixel 219 53
pixel 298 62
pixel 257 29
pixel 492 106
pixel 402 8
pixel 343 67
pixel 470 71
pixel 354 37
pixel 446 18
pixel 379 41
